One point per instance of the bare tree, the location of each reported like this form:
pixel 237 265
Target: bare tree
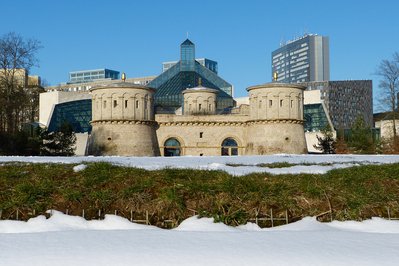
pixel 17 56
pixel 388 70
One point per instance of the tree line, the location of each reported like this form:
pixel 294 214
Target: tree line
pixel 19 103
pixel 359 139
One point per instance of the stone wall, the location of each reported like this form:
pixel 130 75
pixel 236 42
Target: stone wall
pixel 202 135
pixel 123 121
pixel 199 101
pixel 117 103
pixel 276 119
pixel 135 138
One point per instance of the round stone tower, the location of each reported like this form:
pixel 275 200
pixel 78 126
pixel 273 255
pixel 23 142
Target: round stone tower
pixel 276 119
pixel 199 101
pixel 123 121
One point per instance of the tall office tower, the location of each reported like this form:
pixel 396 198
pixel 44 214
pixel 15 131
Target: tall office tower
pixel 302 60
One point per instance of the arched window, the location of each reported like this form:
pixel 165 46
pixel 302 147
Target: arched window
pixel 172 147
pixel 229 147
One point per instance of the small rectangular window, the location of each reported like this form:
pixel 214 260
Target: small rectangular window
pixel 137 104
pixel 199 107
pixel 115 103
pixel 292 103
pixel 201 133
pixel 270 103
pixel 125 103
pixel 281 103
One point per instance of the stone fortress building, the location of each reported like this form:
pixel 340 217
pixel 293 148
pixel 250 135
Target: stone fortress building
pixel 177 106
pixel 189 110
pixel 124 122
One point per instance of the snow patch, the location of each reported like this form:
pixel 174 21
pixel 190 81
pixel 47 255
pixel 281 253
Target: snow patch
pixel 59 221
pixel 64 240
pixel 203 224
pixel 314 164
pixel 79 167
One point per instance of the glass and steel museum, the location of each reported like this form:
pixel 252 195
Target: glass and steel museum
pixel 188 73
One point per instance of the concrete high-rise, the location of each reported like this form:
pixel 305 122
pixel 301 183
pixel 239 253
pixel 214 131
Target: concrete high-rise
pixel 302 60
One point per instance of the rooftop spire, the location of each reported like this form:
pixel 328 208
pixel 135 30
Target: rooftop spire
pixel 187 42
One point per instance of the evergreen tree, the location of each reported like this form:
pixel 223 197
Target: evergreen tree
pixel 59 143
pixel 326 142
pixel 361 139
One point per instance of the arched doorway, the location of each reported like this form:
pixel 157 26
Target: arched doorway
pixel 172 147
pixel 229 147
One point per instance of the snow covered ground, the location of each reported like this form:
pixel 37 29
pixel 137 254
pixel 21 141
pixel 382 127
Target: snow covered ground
pixel 68 240
pixel 244 164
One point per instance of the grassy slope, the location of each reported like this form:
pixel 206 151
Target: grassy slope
pixel 354 193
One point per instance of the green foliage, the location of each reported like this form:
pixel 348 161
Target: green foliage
pixel 361 138
pixel 276 165
pixel 355 193
pixel 326 143
pixel 58 143
pixel 102 198
pixel 19 143
pixel 72 195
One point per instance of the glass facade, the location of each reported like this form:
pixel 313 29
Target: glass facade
pixel 186 74
pixel 346 100
pixel 187 56
pixel 92 75
pixel 315 117
pixel 209 64
pixel 302 60
pixel 76 113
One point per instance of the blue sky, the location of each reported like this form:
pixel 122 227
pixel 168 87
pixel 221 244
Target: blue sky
pixel 136 36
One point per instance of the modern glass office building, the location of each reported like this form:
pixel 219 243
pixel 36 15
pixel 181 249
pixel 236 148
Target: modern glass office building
pixel 302 60
pixel 188 73
pixel 345 101
pixel 92 75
